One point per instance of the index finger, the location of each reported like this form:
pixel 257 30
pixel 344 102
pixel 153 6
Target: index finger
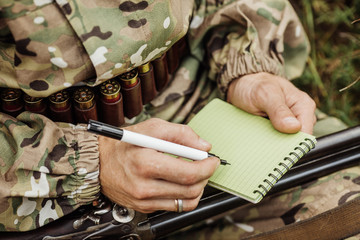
pixel 274 103
pixel 304 110
pixel 177 170
pixel 172 132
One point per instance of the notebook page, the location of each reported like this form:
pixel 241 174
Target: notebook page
pixel 249 143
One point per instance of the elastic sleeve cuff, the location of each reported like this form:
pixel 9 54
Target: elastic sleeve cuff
pixel 84 184
pixel 239 64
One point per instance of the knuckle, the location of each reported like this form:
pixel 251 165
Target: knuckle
pixel 312 103
pixel 306 97
pixel 143 170
pixel 146 166
pixel 281 109
pixel 308 100
pixel 186 128
pixel 262 93
pixel 190 179
pixel 155 121
pixel 191 204
pixel 143 207
pixel 140 192
pixel 194 192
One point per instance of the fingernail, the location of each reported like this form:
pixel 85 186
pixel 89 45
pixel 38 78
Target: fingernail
pixel 291 120
pixel 204 143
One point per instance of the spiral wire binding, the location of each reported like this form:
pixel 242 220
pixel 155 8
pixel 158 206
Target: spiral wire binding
pixel 285 166
pixel 263 189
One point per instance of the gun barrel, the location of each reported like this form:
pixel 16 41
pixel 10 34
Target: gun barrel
pixel 332 153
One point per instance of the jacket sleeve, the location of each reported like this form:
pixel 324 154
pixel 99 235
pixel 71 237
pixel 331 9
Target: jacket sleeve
pixel 47 170
pixel 59 44
pixel 242 37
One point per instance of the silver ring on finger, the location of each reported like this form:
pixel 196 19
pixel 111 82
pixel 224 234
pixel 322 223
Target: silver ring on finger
pixel 179 205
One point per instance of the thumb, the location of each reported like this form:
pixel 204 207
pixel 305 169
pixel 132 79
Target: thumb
pixel 272 100
pixel 281 117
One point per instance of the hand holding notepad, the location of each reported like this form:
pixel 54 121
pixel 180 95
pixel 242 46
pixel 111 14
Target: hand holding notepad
pixel 259 155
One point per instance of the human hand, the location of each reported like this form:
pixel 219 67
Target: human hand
pixel 146 180
pixel 289 109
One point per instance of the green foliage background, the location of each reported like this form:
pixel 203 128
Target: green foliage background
pixel 334 62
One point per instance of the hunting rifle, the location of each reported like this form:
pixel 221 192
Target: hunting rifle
pixel 107 220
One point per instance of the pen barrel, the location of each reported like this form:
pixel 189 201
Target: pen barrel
pixel 163 146
pixel 105 129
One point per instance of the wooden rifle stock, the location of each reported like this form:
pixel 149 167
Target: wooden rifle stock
pixel 332 153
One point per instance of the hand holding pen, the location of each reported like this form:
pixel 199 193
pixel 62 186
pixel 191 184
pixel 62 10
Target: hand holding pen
pixel 147 180
pixel 142 140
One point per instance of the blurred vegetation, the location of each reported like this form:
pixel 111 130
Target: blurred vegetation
pixel 334 62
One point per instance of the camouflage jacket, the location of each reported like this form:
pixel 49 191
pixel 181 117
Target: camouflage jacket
pixel 49 169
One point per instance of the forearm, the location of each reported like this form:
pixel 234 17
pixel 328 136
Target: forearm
pixel 245 37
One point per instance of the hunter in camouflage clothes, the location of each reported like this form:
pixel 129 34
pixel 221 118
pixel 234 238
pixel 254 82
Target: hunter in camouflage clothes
pixel 50 169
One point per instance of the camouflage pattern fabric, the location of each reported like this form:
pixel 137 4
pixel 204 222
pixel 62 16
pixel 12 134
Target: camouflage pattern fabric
pixel 287 207
pixel 49 169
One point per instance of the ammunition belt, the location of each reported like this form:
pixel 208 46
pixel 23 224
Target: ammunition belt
pixel 110 102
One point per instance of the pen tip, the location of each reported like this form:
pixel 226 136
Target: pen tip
pixel 224 162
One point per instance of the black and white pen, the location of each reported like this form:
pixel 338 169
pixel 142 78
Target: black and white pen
pixel 149 142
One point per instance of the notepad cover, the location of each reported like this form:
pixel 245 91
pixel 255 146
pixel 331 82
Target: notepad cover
pixel 259 155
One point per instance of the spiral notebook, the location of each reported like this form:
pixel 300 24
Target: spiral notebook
pixel 259 155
